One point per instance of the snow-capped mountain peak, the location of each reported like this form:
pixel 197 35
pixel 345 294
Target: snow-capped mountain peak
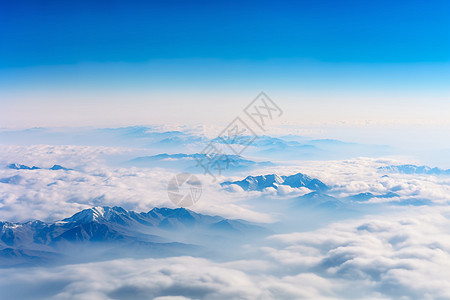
pixel 259 183
pixel 88 215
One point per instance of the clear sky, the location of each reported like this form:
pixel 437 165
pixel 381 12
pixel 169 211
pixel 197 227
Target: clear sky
pixel 140 62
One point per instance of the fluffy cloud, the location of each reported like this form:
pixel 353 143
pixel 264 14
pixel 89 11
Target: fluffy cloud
pixel 403 255
pixel 68 155
pixel 361 175
pixel 398 256
pixel 193 278
pixel 171 278
pixel 50 195
pixel 55 194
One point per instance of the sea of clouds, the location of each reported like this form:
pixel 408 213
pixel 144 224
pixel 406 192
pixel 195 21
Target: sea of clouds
pixel 397 252
pixel 405 255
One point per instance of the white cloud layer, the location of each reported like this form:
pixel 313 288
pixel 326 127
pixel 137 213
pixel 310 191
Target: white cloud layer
pixel 401 256
pixel 360 175
pixel 55 194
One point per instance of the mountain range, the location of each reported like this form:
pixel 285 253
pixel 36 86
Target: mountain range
pixel 367 196
pixel 16 166
pixel 116 232
pixel 318 200
pixel 413 169
pixel 190 161
pixel 261 182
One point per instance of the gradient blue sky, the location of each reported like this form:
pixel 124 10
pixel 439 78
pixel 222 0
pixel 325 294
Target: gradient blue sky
pixel 67 63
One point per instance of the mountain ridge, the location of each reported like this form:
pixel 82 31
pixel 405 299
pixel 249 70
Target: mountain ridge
pixel 414 169
pixel 160 231
pixel 261 182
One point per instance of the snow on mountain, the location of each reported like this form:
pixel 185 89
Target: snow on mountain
pixel 87 215
pixel 302 180
pixel 259 183
pixel 153 232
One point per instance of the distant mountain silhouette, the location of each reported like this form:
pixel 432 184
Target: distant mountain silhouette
pixel 367 196
pixel 413 169
pixel 24 167
pixel 190 161
pixel 317 199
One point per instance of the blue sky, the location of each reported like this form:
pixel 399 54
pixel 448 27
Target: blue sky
pixel 70 32
pixel 60 55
